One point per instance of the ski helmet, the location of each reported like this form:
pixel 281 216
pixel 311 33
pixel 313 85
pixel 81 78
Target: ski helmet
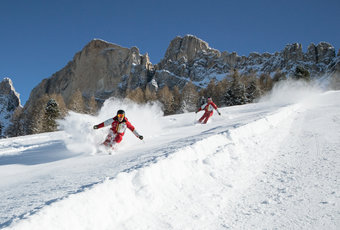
pixel 122 112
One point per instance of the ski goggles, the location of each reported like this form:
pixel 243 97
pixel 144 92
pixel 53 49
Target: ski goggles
pixel 120 115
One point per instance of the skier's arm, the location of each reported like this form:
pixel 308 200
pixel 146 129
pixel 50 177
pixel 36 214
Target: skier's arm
pixel 133 130
pixel 103 124
pixel 215 107
pixel 202 107
pixel 218 112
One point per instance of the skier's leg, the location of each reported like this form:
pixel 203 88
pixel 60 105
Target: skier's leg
pixel 206 120
pixel 209 114
pixel 201 119
pixel 109 139
pixel 118 138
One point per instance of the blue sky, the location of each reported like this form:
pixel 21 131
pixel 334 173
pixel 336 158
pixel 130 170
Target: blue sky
pixel 38 38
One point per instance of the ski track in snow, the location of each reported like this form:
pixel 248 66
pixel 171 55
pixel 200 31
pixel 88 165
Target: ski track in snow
pixel 258 166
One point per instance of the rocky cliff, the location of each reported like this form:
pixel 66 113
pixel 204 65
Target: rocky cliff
pixel 9 102
pixel 102 70
pixel 190 58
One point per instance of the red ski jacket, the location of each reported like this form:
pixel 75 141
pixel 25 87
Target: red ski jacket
pixel 208 107
pixel 118 127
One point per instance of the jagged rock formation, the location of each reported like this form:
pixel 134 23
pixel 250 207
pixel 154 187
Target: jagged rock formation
pixel 9 102
pixel 101 70
pixel 335 70
pixel 190 58
pixel 187 58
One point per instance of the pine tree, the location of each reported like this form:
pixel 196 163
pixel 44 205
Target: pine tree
pixel 279 76
pixel 17 127
pixel 236 93
pixel 252 90
pixel 189 98
pixel 136 95
pixel 265 82
pixel 61 104
pixel 34 121
pixel 92 105
pixel 177 99
pixel 301 74
pixel 167 99
pixel 220 90
pixel 210 91
pixel 150 95
pixel 52 112
pixel 76 103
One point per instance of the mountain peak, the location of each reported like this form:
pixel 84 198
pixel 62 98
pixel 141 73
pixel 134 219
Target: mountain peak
pixel 99 44
pixel 9 101
pixel 7 88
pixel 186 49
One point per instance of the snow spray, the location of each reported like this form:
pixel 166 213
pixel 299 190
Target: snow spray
pixel 290 92
pixel 82 138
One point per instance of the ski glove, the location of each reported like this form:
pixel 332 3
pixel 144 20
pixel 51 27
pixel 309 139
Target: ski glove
pixel 140 137
pixel 95 127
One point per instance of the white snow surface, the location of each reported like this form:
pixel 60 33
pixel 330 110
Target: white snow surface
pixel 270 165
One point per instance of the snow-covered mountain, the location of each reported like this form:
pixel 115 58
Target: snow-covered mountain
pixel 190 58
pixel 270 165
pixel 102 70
pixel 9 102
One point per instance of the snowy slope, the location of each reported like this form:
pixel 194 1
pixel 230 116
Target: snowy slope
pixel 259 166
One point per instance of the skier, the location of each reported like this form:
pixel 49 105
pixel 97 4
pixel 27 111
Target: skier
pixel 208 107
pixel 118 126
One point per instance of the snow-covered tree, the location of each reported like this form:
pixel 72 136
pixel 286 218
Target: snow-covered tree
pixel 265 83
pixel 17 126
pixel 301 74
pixel 34 119
pixel 279 76
pixel 252 90
pixel 236 93
pixel 189 98
pixel 52 112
